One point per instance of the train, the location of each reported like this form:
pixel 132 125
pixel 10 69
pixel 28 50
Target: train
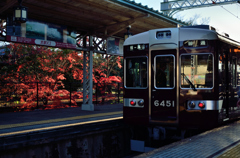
pixel 180 78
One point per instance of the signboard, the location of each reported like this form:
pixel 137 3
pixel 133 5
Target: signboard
pixel 115 46
pixel 38 33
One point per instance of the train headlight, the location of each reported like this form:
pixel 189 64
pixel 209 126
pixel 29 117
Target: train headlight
pixel 141 102
pixel 133 102
pixel 192 105
pixel 201 105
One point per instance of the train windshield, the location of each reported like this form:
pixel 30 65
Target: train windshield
pixel 197 71
pixel 136 72
pixel 164 71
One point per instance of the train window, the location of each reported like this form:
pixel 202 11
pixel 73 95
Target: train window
pixel 197 71
pixel 138 47
pixel 195 43
pixel 164 71
pixel 136 72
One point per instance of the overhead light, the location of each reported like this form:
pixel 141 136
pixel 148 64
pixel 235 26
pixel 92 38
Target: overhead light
pixel 20 13
pixel 127 34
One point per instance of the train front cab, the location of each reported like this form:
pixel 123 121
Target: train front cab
pixel 140 85
pixel 189 98
pixel 200 88
pixel 136 80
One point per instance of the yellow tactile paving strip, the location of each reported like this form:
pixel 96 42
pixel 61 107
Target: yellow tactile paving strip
pixel 58 120
pixel 58 126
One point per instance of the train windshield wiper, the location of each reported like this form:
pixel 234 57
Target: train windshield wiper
pixel 189 82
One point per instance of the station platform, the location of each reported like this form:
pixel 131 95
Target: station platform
pixel 69 132
pixel 32 121
pixel 222 142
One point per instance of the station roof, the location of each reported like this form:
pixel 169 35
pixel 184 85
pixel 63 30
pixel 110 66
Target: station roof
pixel 102 18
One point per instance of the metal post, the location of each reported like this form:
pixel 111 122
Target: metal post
pixel 118 92
pixel 70 94
pixel 96 92
pixel 84 72
pixel 37 95
pixel 87 78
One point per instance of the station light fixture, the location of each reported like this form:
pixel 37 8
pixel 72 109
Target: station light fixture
pixel 20 13
pixel 237 50
pixel 127 34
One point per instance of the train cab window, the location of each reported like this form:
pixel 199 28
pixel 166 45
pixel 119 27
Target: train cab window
pixel 136 72
pixel 164 71
pixel 195 43
pixel 197 71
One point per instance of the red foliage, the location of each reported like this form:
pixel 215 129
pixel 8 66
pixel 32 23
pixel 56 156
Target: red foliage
pixel 37 73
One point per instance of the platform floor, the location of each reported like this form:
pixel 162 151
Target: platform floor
pixel 33 121
pixel 217 143
pixel 222 142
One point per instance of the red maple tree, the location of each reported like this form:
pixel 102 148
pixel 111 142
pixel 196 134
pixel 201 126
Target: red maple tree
pixel 39 73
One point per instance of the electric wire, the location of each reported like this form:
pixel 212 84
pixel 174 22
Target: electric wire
pixel 230 12
pixel 238 5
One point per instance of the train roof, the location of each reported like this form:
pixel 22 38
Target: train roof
pixel 186 33
pixel 224 38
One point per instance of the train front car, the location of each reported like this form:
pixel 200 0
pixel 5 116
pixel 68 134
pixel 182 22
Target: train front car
pixel 136 84
pixel 179 78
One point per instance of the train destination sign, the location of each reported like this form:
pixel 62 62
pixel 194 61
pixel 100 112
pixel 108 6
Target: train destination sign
pixel 39 33
pixel 115 46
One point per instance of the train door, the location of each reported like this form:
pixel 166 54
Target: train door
pixel 226 80
pixel 163 86
pixel 229 83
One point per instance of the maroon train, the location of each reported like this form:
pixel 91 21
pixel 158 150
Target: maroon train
pixel 181 78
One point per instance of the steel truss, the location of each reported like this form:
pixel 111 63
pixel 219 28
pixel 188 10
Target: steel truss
pixel 99 45
pixel 171 7
pixel 89 45
pixel 87 77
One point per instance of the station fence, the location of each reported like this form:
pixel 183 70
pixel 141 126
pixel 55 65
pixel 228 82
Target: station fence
pixel 27 96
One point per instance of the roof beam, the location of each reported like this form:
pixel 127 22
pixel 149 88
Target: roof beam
pixel 9 4
pixel 151 12
pixel 78 10
pixel 124 23
pixel 47 14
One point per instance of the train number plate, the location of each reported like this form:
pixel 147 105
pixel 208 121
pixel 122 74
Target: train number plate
pixel 164 103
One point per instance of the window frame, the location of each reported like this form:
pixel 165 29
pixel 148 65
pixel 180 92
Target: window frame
pixel 197 88
pixel 174 74
pixel 125 68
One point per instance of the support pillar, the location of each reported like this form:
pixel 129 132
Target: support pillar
pixel 87 77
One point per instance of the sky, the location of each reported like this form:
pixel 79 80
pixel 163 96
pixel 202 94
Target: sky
pixel 219 16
